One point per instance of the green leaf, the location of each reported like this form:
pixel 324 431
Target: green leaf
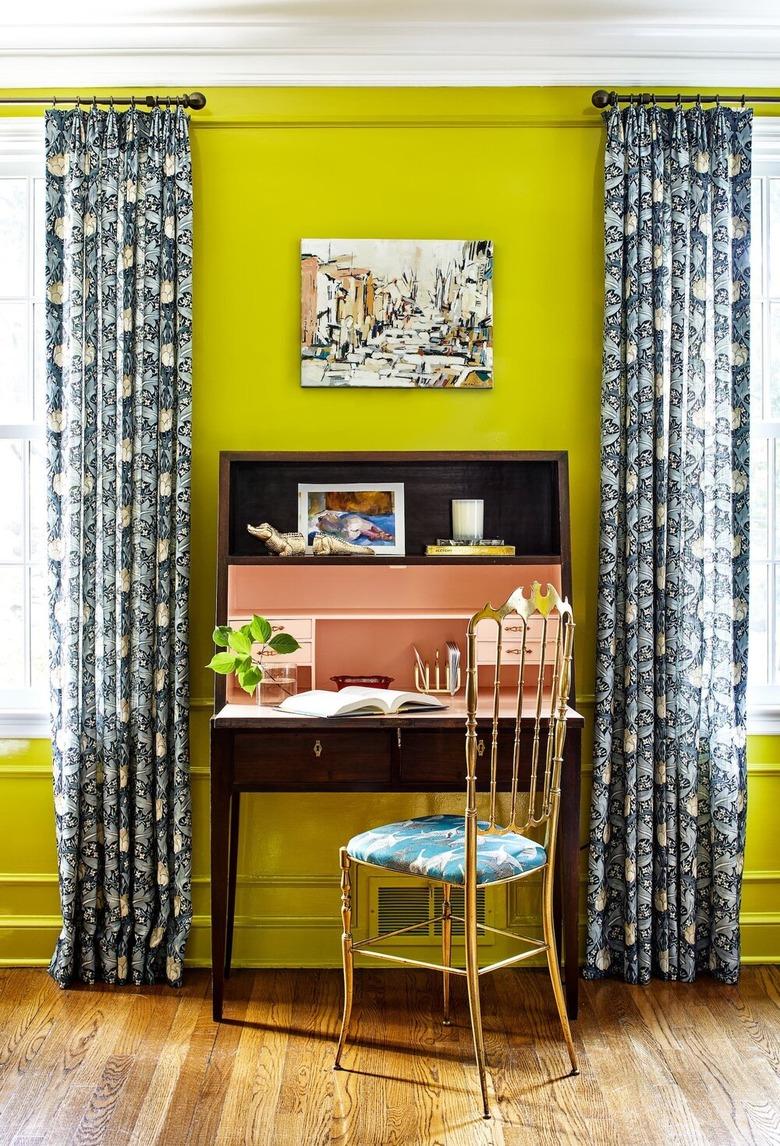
pixel 283 643
pixel 249 678
pixel 241 643
pixel 223 663
pixel 221 635
pixel 260 628
pixel 246 630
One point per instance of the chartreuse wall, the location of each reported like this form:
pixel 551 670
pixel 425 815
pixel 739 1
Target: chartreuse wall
pixel 519 166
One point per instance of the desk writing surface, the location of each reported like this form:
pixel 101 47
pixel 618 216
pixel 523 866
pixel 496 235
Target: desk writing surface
pixel 246 717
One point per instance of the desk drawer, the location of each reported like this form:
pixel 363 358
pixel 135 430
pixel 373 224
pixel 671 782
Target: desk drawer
pixel 440 758
pixel 301 759
pixel 511 652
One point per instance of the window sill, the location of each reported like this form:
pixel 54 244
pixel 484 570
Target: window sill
pixel 763 720
pixel 24 724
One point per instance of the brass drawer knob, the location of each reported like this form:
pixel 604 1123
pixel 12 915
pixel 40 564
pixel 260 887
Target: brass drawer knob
pixel 513 629
pixel 516 652
pixel 318 748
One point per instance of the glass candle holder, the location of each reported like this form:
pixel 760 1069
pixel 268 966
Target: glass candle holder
pixel 468 519
pixel 279 682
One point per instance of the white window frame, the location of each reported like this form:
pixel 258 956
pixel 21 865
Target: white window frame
pixel 764 700
pixel 24 712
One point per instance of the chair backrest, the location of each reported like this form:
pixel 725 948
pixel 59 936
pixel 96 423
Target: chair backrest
pixel 536 706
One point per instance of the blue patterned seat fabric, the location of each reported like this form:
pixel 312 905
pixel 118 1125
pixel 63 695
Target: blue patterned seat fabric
pixel 434 847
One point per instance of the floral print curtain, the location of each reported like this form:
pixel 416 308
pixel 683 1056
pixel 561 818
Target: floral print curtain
pixel 668 813
pixel 118 392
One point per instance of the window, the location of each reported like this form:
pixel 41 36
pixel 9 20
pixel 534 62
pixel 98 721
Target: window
pixel 23 606
pixel 764 667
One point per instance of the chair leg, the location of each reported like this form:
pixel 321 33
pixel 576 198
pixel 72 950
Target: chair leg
pixel 446 948
pixel 553 965
pixel 346 949
pixel 472 981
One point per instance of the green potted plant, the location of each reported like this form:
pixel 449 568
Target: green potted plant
pixel 245 649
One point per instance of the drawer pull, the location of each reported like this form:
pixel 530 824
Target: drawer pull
pixel 513 629
pixel 318 748
pixel 277 628
pixel 516 652
pixel 480 747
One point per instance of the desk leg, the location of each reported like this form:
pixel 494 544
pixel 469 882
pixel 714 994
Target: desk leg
pixel 235 813
pixel 220 828
pixel 570 866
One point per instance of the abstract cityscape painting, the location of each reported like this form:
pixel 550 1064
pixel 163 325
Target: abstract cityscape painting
pixel 413 313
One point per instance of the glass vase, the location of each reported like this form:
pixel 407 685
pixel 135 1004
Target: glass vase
pixel 279 681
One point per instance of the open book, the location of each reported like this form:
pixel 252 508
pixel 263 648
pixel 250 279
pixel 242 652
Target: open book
pixel 355 700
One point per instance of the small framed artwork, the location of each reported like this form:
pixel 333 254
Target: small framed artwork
pixel 362 514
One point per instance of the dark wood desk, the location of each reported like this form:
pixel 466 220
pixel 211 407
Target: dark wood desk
pixel 262 750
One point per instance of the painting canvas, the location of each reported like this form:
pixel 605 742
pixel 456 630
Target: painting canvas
pixel 371 515
pixel 397 313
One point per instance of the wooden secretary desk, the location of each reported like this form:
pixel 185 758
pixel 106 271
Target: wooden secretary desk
pixel 362 615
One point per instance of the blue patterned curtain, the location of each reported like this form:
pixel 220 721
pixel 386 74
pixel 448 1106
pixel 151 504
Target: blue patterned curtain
pixel 668 814
pixel 118 345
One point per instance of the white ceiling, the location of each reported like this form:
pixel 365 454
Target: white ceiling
pixel 196 43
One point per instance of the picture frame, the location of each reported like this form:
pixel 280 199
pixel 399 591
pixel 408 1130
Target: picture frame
pixel 362 513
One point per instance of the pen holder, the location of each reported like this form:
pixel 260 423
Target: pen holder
pixel 422 680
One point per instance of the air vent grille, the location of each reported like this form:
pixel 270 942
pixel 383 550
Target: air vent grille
pixel 402 906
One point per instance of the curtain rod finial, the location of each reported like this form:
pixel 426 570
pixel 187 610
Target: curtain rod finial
pixel 602 98
pixel 195 100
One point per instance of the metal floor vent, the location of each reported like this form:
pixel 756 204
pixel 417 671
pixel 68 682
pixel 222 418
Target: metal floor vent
pixel 399 906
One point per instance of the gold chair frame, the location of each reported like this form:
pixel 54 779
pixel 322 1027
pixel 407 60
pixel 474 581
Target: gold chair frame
pixel 544 794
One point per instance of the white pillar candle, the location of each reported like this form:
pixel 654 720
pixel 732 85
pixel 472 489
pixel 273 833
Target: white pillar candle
pixel 467 518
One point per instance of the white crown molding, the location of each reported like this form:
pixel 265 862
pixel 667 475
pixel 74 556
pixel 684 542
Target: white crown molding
pixel 736 54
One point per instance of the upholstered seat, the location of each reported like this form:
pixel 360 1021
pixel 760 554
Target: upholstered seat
pixel 434 847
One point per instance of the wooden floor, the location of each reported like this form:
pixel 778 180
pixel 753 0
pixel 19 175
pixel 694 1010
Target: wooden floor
pixel 663 1064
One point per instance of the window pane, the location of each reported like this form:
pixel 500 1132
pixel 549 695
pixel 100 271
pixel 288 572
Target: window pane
pixel 39 628
pixel 756 240
pixel 15 396
pixel 773 396
pixel 757 652
pixel 39 237
pixel 37 502
pixel 756 358
pixel 12 500
pixel 12 671
pixel 14 251
pixel 759 489
pixel 773 253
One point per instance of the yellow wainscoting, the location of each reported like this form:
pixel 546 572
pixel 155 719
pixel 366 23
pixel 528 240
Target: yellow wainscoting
pixel 288 893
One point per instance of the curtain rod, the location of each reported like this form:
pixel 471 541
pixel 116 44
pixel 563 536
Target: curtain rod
pixel 603 98
pixel 194 100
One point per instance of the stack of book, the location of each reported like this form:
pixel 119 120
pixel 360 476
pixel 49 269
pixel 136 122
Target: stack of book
pixel 487 547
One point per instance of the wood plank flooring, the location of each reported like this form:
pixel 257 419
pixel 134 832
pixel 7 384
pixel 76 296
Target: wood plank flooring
pixel 664 1064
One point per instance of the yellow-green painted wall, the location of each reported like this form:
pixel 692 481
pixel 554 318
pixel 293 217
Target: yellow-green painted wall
pixel 271 166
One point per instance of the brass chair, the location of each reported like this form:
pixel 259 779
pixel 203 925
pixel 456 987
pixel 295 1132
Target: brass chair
pixel 473 853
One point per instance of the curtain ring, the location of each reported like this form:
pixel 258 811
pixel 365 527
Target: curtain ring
pixel 717 101
pixel 678 101
pixel 743 101
pixel 111 102
pixel 168 104
pixel 132 102
pixel 94 103
pixel 698 100
pixel 53 101
pixel 78 103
